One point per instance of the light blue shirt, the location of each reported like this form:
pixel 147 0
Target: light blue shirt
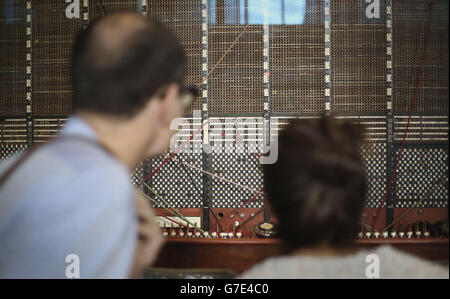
pixel 69 197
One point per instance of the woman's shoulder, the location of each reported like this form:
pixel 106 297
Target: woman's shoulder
pixel 395 263
pixel 388 261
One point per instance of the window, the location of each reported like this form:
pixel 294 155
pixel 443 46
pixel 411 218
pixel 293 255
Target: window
pixel 288 12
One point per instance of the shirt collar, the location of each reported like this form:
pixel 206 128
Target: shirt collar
pixel 77 126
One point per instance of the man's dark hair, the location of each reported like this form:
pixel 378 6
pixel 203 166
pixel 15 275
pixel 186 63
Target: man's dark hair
pixel 118 77
pixel 317 187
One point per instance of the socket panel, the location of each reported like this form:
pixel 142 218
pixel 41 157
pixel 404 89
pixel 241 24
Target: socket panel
pixel 164 222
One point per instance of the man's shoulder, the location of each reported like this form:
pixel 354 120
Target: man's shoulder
pixel 81 155
pixel 66 169
pixel 79 164
pixel 72 159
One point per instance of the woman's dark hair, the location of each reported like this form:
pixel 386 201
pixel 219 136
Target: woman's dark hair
pixel 317 187
pixel 118 80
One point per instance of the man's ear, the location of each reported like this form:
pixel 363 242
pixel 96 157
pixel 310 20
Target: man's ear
pixel 151 109
pixel 168 100
pixel 158 108
pixel 172 91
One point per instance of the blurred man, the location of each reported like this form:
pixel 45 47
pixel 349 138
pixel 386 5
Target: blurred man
pixel 316 190
pixel 68 209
